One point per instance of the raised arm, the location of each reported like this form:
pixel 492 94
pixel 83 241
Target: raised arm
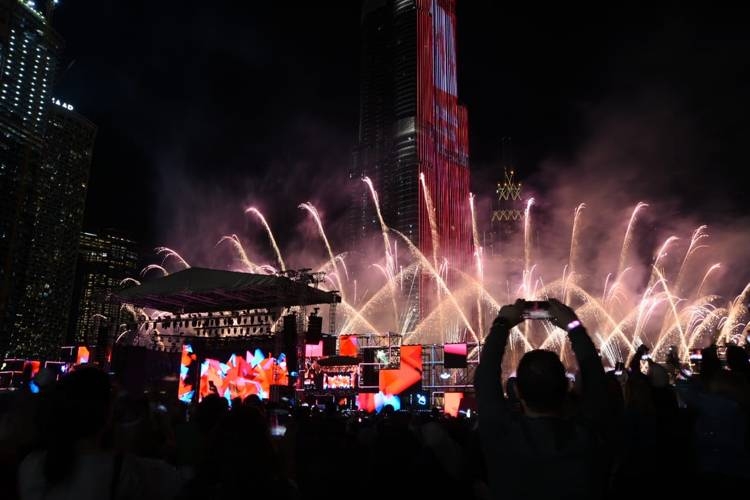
pixel 594 388
pixel 488 377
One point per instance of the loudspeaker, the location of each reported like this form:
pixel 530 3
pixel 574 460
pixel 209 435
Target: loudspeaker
pixel 290 342
pixel 329 345
pixel 314 329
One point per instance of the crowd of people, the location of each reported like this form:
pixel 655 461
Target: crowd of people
pixel 610 434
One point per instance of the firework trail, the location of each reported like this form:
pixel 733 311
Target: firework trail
pixel 390 261
pixel 431 216
pixel 150 267
pixel 234 240
pixel 628 237
pixel 478 257
pixel 527 234
pixel 314 212
pixel 260 216
pixel 168 252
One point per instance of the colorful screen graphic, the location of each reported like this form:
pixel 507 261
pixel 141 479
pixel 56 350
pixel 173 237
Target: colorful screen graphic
pixel 241 376
pixel 407 376
pixel 452 403
pixel 82 355
pixel 32 367
pixel 185 389
pixel 454 355
pixel 338 380
pixel 238 377
pixel 348 345
pixel 374 402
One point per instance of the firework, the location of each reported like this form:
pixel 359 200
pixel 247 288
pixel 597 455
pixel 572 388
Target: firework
pixel 672 309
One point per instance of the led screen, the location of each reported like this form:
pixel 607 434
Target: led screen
pixel 348 345
pixel 185 389
pixel 32 367
pixel 452 403
pixel 454 355
pixel 82 355
pixel 238 377
pixel 374 402
pixel 338 380
pixel 407 376
pixel 314 350
pixel 241 376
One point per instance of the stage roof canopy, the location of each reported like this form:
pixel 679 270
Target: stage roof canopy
pixel 210 290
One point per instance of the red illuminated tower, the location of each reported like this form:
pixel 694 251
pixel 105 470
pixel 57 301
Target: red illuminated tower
pixel 410 124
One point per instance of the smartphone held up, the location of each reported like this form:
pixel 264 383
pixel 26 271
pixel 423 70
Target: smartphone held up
pixel 536 309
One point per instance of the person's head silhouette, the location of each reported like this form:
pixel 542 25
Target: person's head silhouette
pixel 710 363
pixel 737 359
pixel 82 402
pixel 541 382
pixel 78 416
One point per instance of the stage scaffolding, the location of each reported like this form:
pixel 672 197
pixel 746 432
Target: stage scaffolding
pixel 436 379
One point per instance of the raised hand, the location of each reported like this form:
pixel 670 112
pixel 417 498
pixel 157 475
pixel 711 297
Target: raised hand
pixel 511 314
pixel 562 315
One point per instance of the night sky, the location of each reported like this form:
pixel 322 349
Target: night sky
pixel 206 107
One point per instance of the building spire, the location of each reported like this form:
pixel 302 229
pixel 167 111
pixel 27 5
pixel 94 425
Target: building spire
pixel 508 190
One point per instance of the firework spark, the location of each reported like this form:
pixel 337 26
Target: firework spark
pixel 263 221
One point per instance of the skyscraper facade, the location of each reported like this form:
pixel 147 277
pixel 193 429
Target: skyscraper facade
pixel 45 154
pixel 104 260
pixel 413 133
pixel 29 55
pixel 59 200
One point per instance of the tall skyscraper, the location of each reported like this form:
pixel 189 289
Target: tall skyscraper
pixel 412 127
pixel 60 197
pixel 45 154
pixel 29 52
pixel 104 260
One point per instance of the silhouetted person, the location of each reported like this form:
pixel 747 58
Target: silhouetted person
pixel 209 412
pixel 540 453
pixel 710 364
pixel 653 426
pixel 716 400
pixel 76 462
pixel 239 461
pixel 387 411
pixel 511 389
pixel 737 361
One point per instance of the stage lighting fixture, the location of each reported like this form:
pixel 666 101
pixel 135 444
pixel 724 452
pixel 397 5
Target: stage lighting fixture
pixel 445 375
